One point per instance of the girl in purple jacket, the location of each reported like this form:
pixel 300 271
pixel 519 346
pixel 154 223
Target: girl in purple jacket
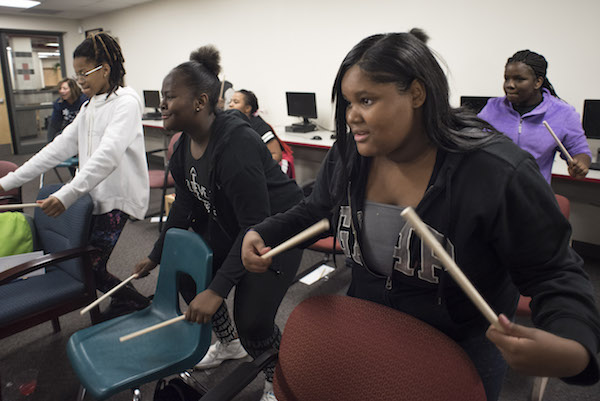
pixel 530 99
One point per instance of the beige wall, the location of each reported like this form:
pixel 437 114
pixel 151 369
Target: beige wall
pixel 271 46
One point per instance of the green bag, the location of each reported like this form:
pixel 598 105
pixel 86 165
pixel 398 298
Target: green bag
pixel 15 234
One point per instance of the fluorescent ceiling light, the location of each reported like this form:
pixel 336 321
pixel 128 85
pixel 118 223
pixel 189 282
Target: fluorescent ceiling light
pixel 19 3
pixel 52 44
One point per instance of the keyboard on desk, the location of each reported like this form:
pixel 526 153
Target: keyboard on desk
pixel 151 116
pixel 595 166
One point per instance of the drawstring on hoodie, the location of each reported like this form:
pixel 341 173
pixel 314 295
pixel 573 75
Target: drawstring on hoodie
pixel 440 291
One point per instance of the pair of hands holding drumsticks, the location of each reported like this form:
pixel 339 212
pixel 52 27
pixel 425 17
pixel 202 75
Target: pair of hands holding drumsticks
pixel 51 205
pixel 527 350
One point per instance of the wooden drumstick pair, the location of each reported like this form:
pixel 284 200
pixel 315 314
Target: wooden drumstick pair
pixel 19 206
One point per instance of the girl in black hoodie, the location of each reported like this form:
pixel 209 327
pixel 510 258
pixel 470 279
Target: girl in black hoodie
pixel 400 144
pixel 225 182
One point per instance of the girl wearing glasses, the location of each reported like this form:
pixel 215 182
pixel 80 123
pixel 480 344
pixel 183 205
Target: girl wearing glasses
pixel 107 135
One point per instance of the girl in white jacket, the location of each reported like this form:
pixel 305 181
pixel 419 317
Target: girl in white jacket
pixel 107 135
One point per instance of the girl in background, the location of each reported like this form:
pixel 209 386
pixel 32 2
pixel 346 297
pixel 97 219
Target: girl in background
pixel 246 101
pixel 108 137
pixel 530 99
pixel 225 182
pixel 66 107
pixel 400 144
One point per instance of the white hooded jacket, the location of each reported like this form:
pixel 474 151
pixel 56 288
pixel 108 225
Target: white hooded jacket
pixel 108 136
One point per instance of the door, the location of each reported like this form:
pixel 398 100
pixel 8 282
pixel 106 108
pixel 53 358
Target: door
pixel 32 65
pixel 5 138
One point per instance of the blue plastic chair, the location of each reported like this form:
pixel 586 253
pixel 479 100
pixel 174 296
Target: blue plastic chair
pixel 106 366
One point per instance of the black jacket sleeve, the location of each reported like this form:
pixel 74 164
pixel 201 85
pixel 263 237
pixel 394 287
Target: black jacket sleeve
pixel 543 265
pixel 241 178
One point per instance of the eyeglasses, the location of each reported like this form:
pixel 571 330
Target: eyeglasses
pixel 83 75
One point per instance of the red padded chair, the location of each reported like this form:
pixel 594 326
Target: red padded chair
pixel 339 348
pixel 162 179
pixel 14 195
pixel 523 310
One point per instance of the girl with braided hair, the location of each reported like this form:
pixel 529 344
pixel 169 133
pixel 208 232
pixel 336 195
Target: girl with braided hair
pixel 531 99
pixel 107 135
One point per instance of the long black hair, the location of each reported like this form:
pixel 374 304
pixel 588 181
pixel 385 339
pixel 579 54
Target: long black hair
pixel 201 73
pixel 538 65
pixel 401 58
pixel 103 48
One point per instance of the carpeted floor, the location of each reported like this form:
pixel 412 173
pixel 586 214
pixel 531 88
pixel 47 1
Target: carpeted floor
pixel 39 353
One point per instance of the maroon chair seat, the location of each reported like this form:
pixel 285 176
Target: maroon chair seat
pixel 342 348
pixel 14 195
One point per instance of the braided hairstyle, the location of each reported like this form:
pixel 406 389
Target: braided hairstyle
pixel 201 73
pixel 250 99
pixel 103 48
pixel 537 63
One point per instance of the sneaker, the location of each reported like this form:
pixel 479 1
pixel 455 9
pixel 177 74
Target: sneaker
pixel 268 394
pixel 219 352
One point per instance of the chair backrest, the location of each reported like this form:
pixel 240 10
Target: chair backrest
pixel 183 252
pixel 69 230
pixel 171 146
pixel 343 348
pixel 564 205
pixel 14 195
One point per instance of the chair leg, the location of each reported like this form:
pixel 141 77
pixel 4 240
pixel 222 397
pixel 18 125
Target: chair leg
pixel 81 393
pixel 137 394
pixel 539 386
pixel 55 325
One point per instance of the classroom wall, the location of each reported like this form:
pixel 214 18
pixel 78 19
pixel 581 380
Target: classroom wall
pixel 270 46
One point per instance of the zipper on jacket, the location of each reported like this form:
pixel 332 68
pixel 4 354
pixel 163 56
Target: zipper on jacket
pixel 388 283
pixel 520 129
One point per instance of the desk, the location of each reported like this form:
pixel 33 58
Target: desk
pixel 308 152
pixel 584 196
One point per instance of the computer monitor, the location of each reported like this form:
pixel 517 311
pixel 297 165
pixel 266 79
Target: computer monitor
pixel 301 104
pixel 591 118
pixel 152 100
pixel 475 103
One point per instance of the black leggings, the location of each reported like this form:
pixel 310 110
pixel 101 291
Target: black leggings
pixel 257 299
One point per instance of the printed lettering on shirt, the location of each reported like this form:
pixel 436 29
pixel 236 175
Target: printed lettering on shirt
pixel 426 269
pixel 199 191
pixel 343 229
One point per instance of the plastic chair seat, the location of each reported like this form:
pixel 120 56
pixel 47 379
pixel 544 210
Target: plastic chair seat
pixel 106 366
pixel 97 349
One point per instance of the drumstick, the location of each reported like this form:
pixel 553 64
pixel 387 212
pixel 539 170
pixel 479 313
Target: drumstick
pixel 411 216
pixel 559 143
pixel 315 229
pixel 107 294
pixel 19 206
pixel 152 328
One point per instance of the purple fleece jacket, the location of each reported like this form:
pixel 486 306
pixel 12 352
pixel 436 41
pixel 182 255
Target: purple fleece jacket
pixel 529 133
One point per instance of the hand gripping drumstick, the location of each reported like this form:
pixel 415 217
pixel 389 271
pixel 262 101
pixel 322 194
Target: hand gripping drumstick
pixel 107 294
pixel 559 143
pixel 315 229
pixel 19 206
pixel 318 228
pixel 411 216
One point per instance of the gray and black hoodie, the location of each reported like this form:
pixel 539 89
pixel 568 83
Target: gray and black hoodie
pixel 498 219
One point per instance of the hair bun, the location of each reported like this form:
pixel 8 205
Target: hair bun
pixel 419 34
pixel 209 57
